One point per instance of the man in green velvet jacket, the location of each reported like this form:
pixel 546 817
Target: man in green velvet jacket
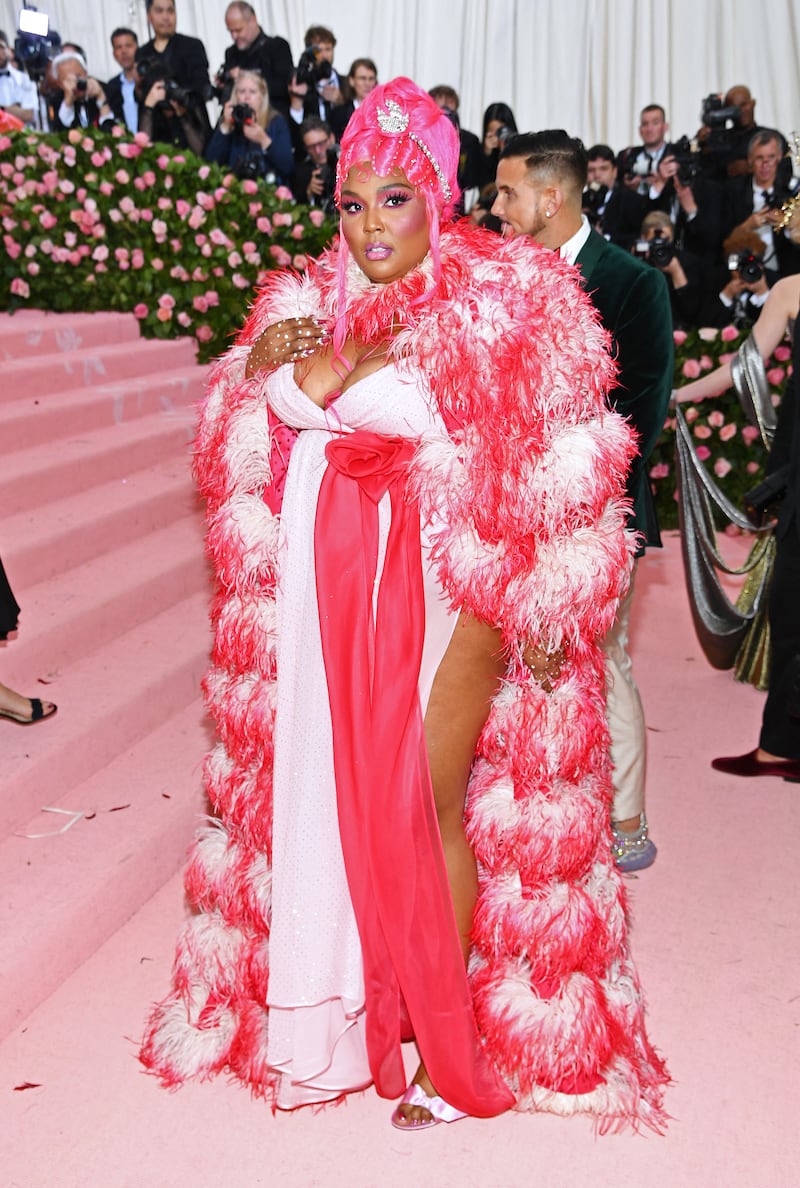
pixel 540 179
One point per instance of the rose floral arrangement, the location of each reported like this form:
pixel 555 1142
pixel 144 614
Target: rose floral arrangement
pixel 728 445
pixel 93 221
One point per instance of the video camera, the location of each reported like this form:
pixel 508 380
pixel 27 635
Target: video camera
pixel 36 43
pixel 686 160
pixel 714 113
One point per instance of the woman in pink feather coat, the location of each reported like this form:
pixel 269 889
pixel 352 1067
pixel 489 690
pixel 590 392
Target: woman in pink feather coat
pixel 415 513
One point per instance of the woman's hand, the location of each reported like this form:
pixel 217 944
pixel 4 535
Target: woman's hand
pixel 285 342
pixel 226 119
pixel 256 135
pixel 544 667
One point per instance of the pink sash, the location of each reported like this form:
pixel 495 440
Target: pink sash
pixel 387 817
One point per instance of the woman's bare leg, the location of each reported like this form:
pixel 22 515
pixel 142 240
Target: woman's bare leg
pixel 465 683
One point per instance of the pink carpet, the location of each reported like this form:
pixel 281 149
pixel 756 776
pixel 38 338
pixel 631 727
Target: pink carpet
pixel 715 934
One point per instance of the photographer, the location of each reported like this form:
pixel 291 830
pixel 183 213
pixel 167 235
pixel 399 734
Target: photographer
pixel 728 126
pixel 315 179
pixel 252 49
pixel 613 210
pixel 638 163
pixel 742 290
pixel 681 269
pixel 754 202
pixel 175 85
pixel 252 137
pixel 691 202
pixel 74 100
pixel 17 92
pixel 361 79
pixel 498 125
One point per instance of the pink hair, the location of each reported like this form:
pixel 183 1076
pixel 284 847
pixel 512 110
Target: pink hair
pixel 365 142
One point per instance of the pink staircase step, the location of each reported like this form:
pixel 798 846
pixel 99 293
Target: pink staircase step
pixel 107 702
pixel 44 543
pixel 89 366
pixel 43 474
pixel 29 333
pixel 63 896
pixel 55 415
pixel 69 615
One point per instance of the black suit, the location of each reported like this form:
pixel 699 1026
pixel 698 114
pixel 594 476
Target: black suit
pixel 780 731
pixel 113 90
pixel 89 106
pixel 184 62
pixel 621 217
pixel 272 58
pixel 739 206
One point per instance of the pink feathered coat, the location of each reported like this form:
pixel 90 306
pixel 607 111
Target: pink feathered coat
pixel 528 488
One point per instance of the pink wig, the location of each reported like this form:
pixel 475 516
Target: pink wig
pixel 417 138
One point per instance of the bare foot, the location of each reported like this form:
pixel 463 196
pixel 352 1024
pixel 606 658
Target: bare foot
pixel 410 1116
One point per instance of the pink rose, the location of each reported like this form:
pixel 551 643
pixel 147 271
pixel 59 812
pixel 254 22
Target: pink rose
pixel 203 172
pixel 691 369
pixel 200 304
pixel 234 259
pixel 129 151
pixel 70 239
pixel 123 177
pixel 140 310
pixel 248 246
pixel 264 225
pixel 163 314
pixel 297 231
pixel 217 271
pixel 115 216
pixel 142 139
pixel 726 357
pixel 183 207
pixel 702 431
pixel 166 301
pixel 706 362
pixel 98 160
pixel 48 220
pixel 707 334
pixel 206 250
pixel 659 471
pixel 282 219
pixel 100 252
pixel 66 186
pixel 148 177
pixel 722 467
pixel 204 333
pixel 20 288
pixel 703 453
pixel 160 229
pixel 752 468
pixel 299 262
pixel 126 205
pixel 212 297
pixel 782 353
pixel 284 194
pixel 162 162
pixel 750 434
pixel 240 282
pixel 716 418
pixel 137 258
pixel 219 194
pixel 205 200
pixel 33 268
pixel 157 263
pixel 219 237
pixel 13 248
pixel 728 431
pixel 165 203
pixel 776 376
pixel 74 135
pixel 255 208
pixel 317 218
pixel 729 333
pixel 184 319
pixel 280 255
pixel 139 185
pixel 197 218
pixel 249 186
pixel 106 188
pixel 678 336
pixel 199 275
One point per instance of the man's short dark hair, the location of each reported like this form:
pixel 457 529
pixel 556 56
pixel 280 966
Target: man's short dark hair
pixel 654 107
pixel 601 152
pixel 444 92
pixel 315 124
pixel 318 35
pixel 765 136
pixel 549 154
pixel 122 32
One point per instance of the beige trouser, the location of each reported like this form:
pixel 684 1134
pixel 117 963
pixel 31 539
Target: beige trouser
pixel 625 717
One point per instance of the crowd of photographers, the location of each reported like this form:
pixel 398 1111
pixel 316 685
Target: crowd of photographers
pixel 705 211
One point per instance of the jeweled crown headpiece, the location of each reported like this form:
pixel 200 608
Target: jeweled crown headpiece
pixel 399 126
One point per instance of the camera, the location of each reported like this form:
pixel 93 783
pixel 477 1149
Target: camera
pixel 594 199
pixel 686 160
pixel 749 266
pixel 714 113
pixel 657 251
pixel 222 88
pixel 249 168
pixel 81 86
pixel 630 167
pixel 176 93
pixel 310 69
pixel 241 114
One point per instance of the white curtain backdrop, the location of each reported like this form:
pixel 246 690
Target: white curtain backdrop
pixel 585 65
